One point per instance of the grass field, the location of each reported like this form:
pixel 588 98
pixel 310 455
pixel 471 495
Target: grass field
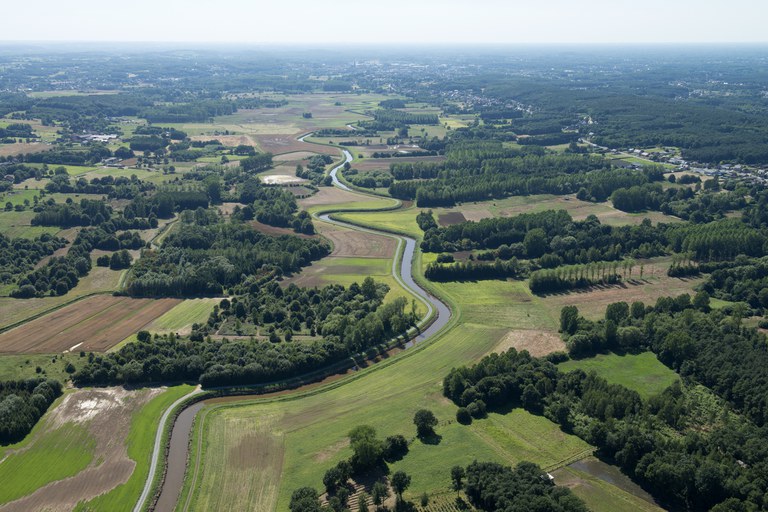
pixel 313 428
pixel 72 170
pixel 16 196
pixel 599 495
pixel 642 372
pixel 24 366
pixel 183 315
pixel 140 442
pixel 58 454
pixel 18 224
pixel 398 221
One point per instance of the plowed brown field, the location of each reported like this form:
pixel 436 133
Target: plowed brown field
pixel 93 324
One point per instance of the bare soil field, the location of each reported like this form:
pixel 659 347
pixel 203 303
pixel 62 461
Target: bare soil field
pixel 300 191
pixel 451 218
pixel 20 148
pixel 228 140
pixel 93 324
pixel 277 144
pixel 106 413
pixel 281 179
pixel 277 231
pixel 330 196
pixel 296 156
pixel 593 301
pixel 351 243
pixel 537 343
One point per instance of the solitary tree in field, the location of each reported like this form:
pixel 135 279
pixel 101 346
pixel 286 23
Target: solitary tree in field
pixel 367 448
pixel 457 477
pixel 425 422
pixel 400 482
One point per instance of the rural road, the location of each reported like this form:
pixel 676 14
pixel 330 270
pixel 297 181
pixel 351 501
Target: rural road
pixel 180 435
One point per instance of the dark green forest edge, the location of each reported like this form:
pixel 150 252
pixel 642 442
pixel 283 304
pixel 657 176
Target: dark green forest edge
pixel 688 452
pixel 601 132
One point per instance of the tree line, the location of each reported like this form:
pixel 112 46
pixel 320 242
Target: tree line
pixel 22 404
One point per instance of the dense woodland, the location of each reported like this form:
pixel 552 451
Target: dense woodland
pixel 22 403
pixel 197 260
pixel 20 255
pixel 489 171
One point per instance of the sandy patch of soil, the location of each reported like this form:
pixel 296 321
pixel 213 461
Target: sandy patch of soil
pixel 451 218
pixel 296 156
pixel 537 343
pixel 351 243
pixel 281 179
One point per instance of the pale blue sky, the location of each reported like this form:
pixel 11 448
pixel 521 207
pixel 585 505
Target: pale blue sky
pixel 389 21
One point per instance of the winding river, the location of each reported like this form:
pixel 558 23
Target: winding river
pixel 178 452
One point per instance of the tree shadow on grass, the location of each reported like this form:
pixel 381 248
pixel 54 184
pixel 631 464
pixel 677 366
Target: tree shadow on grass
pixel 433 438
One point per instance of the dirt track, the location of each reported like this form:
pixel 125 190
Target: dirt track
pixel 93 324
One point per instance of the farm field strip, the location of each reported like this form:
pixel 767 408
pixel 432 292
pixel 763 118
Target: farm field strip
pixel 95 323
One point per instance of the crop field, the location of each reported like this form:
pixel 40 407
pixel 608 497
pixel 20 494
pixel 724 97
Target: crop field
pixel 642 372
pixel 180 318
pixel 276 129
pixel 99 279
pixel 357 244
pixel 92 324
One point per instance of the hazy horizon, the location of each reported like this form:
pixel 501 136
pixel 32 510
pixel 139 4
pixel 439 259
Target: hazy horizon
pixel 452 22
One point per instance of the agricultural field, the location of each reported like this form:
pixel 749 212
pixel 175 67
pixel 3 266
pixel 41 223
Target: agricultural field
pixel 654 284
pixel 579 210
pixel 313 427
pixel 98 280
pixel 180 318
pixel 642 372
pixel 94 446
pixel 93 324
